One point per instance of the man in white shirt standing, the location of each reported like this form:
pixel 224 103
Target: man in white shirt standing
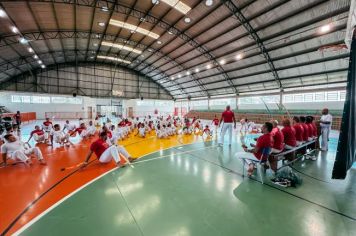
pixel 325 124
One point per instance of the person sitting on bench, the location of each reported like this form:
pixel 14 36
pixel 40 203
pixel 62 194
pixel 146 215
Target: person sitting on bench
pixel 264 141
pixel 289 135
pixel 298 130
pixel 306 133
pixel 312 127
pixel 277 137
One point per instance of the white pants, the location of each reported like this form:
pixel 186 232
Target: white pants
pixel 39 138
pixel 226 126
pixel 324 138
pixel 91 130
pixel 248 156
pixel 61 138
pixel 289 147
pixel 276 150
pixel 113 153
pixel 22 155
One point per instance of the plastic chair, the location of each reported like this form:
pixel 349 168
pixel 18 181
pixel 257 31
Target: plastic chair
pixel 259 163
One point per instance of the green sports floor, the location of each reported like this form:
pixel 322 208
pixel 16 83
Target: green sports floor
pixel 198 190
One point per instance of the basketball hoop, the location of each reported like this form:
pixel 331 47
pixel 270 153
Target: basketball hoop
pixel 333 48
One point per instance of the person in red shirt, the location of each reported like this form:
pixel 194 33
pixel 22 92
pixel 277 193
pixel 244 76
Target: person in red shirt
pixel 227 117
pixel 306 133
pixel 17 118
pixel 38 135
pixel 277 137
pixel 215 122
pixel 47 125
pixel 263 142
pixel 206 131
pixel 290 140
pixel 105 153
pixel 298 130
pixel 312 127
pixel 82 131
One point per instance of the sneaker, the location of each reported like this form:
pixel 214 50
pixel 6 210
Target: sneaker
pixel 313 158
pixel 307 157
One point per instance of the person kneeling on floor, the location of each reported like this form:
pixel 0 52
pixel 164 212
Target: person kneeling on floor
pixel 255 154
pixel 15 149
pixel 106 153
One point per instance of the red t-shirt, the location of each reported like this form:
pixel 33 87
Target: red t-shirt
pixel 298 132
pixel 47 123
pixel 206 130
pixel 109 134
pixel 79 130
pixel 98 147
pixel 228 116
pixel 315 130
pixel 289 136
pixel 264 141
pixel 128 123
pixel 38 132
pixel 216 121
pixel 306 133
pixel 278 138
pixel 311 130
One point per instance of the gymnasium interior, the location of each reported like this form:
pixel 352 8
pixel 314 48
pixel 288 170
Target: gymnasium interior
pixel 181 92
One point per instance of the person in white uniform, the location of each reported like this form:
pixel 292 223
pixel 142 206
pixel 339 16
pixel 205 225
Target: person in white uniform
pixel 57 136
pixel 15 149
pixel 227 117
pixel 325 124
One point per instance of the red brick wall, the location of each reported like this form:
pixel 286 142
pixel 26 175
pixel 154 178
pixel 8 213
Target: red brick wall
pixel 257 118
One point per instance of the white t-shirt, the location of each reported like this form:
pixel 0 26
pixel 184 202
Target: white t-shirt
pixel 57 135
pixel 9 148
pixel 326 118
pixel 142 131
pixel 69 126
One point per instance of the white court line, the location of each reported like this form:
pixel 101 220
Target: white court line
pixel 34 220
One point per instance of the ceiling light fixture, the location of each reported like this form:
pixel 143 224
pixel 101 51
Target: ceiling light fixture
pixel 35 56
pixel 222 62
pixel 178 5
pixel 172 78
pixel 155 2
pixel 239 56
pixel 30 50
pixel 179 76
pixel 43 66
pixel 208 67
pixel 104 9
pixel 114 59
pixel 95 44
pixel 23 41
pixel 121 47
pixel 2 13
pixel 170 32
pixel 39 62
pixel 325 28
pixel 187 20
pixel 133 27
pixel 159 42
pixel 188 73
pixel 197 70
pixel 102 24
pixel 14 29
pixel 209 3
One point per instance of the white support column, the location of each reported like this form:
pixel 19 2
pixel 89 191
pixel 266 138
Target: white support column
pixel 237 101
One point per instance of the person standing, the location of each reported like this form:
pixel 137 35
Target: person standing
pixel 17 117
pixel 325 124
pixel 228 117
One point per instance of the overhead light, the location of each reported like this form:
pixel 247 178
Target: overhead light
pixel 150 50
pixel 170 32
pixel 43 66
pixel 98 36
pixel 239 56
pixel 222 62
pixel 142 55
pixel 209 3
pixel 35 56
pixel 95 44
pixel 121 47
pixel 197 70
pixel 178 5
pixel 187 20
pixel 132 31
pixel 92 57
pixel 2 13
pixel 23 41
pixel 155 2
pixel 179 76
pixel 30 50
pixel 208 67
pixel 104 9
pixel 188 73
pixel 114 59
pixel 142 19
pixel 325 28
pixel 39 62
pixel 14 29
pixel 133 27
pixel 102 24
pixel 172 78
pixel 159 42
